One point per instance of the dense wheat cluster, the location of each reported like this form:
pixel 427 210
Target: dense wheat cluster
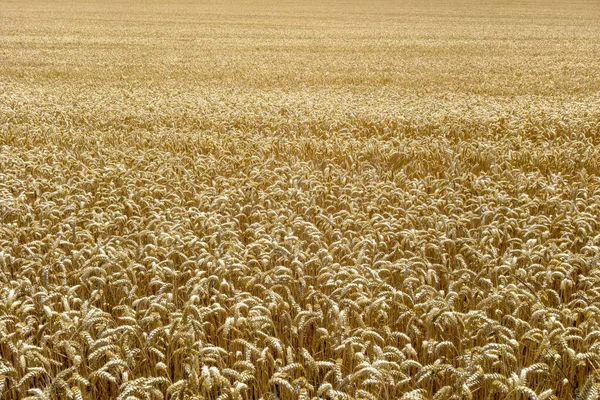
pixel 299 201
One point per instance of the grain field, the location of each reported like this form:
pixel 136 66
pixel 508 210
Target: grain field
pixel 328 199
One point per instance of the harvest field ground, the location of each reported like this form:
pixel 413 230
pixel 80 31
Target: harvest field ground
pixel 299 200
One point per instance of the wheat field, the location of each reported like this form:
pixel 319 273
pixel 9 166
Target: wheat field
pixel 299 200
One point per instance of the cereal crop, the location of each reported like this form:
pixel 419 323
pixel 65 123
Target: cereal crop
pixel 299 200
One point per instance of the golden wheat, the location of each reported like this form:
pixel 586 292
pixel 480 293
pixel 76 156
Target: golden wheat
pixel 299 201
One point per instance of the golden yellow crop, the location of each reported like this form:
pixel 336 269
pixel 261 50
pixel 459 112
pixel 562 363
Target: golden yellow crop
pixel 299 200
